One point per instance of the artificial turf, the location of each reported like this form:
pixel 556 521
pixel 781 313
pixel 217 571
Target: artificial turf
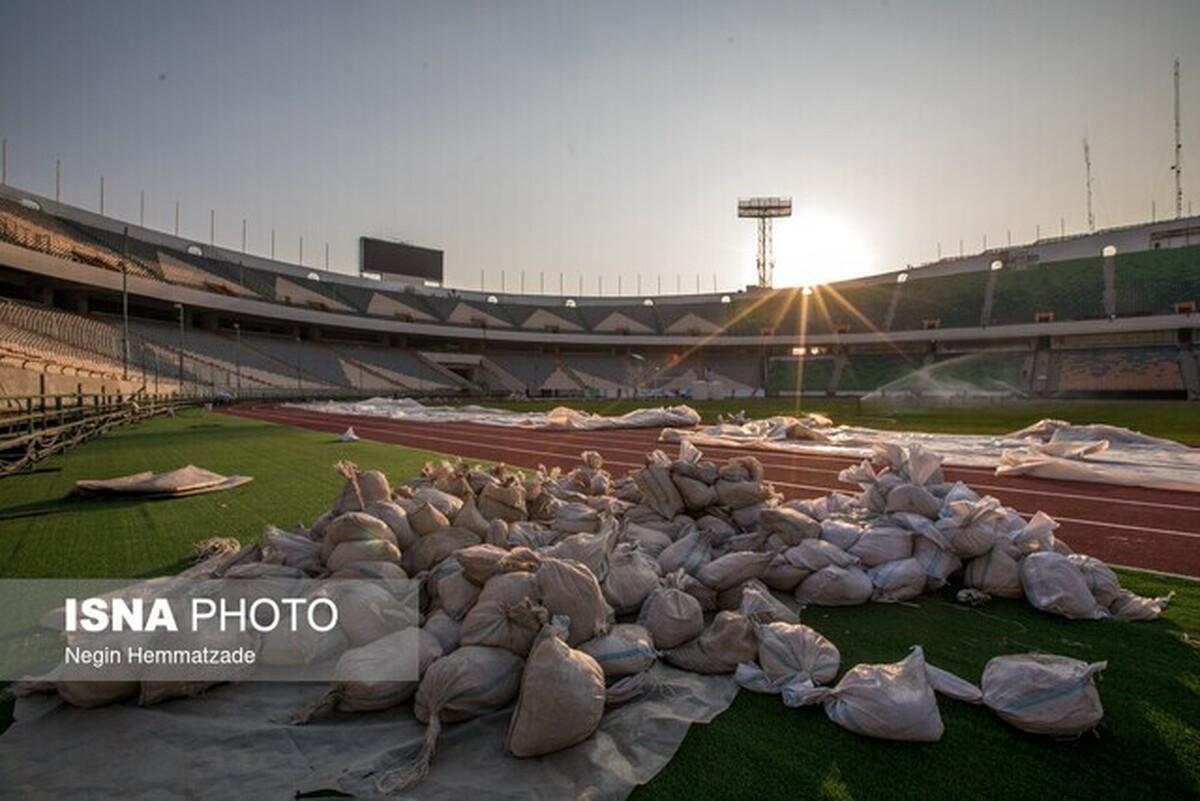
pixel 294 481
pixel 1148 745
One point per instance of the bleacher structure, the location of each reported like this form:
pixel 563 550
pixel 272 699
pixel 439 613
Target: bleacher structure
pixel 1106 314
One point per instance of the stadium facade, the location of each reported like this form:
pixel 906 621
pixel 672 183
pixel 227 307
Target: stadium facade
pixel 1106 314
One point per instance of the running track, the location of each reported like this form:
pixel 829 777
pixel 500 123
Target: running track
pixel 1135 527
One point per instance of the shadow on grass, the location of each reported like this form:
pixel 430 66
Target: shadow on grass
pixel 74 503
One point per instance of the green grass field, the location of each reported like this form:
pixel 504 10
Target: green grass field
pixel 1149 743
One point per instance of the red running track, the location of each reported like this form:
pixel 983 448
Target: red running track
pixel 1130 526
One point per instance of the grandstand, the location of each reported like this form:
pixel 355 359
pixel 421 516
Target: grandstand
pixel 1105 314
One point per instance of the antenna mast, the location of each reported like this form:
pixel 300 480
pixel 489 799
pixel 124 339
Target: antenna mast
pixel 1087 165
pixel 1178 151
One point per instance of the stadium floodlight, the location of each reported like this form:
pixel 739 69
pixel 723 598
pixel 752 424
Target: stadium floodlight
pixel 765 209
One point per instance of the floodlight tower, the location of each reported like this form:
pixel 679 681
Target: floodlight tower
pixel 765 209
pixel 1178 168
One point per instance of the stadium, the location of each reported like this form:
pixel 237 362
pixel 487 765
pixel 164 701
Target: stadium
pixel 107 324
pixel 1109 314
pixel 296 527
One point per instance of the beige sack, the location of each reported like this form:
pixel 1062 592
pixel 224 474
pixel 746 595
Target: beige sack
pixel 835 586
pixel 688 553
pixel 696 494
pixel 659 491
pixel 561 701
pixel 357 686
pixel 727 641
pixel 1044 693
pixel 426 520
pixel 354 526
pixel 470 518
pixel 879 544
pixel 630 577
pixel 480 562
pixel 672 617
pixel 625 650
pixel 996 573
pixel 361 551
pixel 734 569
pixel 790 525
pixel 396 518
pixel 433 548
pixel 1053 583
pixel 468 683
pixel 892 702
pixel 503 502
pixel 570 589
pixel 790 651
pixel 901 580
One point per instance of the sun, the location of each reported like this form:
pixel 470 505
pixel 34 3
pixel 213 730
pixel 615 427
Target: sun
pixel 813 249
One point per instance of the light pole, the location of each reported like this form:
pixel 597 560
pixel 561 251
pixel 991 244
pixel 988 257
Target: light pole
pixel 179 307
pixel 299 386
pixel 637 371
pixel 237 332
pixel 125 306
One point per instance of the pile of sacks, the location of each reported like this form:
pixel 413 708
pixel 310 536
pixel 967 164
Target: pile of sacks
pixel 1037 693
pixel 910 531
pixel 562 590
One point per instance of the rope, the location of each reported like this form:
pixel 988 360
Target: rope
pixel 415 772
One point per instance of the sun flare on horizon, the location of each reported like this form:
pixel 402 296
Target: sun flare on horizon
pixel 812 249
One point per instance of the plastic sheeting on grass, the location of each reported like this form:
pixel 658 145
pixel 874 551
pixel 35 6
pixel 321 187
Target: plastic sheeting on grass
pixel 227 745
pixel 190 480
pixel 1049 449
pixel 558 418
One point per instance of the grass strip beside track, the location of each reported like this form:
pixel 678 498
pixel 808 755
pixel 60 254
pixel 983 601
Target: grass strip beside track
pixel 293 481
pixel 1149 744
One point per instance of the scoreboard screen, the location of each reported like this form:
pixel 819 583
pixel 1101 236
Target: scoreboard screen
pixel 396 258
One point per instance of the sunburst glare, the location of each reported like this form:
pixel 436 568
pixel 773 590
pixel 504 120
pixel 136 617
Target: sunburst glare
pixel 815 249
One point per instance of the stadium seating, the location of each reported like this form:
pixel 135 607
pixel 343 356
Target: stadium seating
pixel 758 312
pixel 786 376
pixel 39 231
pixel 867 372
pixel 1120 370
pixel 138 260
pixel 697 319
pixel 629 318
pixel 1153 281
pixel 1069 290
pixel 873 314
pixel 607 373
pixel 953 301
pixel 849 308
pixel 531 368
pixel 209 358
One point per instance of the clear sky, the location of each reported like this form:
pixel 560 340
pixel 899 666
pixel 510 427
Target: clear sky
pixel 605 139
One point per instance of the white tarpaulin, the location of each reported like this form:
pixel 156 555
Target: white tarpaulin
pixel 229 744
pixel 190 480
pixel 558 418
pixel 1048 449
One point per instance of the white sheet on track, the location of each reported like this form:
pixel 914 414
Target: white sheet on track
pixel 226 745
pixel 558 418
pixel 1049 449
